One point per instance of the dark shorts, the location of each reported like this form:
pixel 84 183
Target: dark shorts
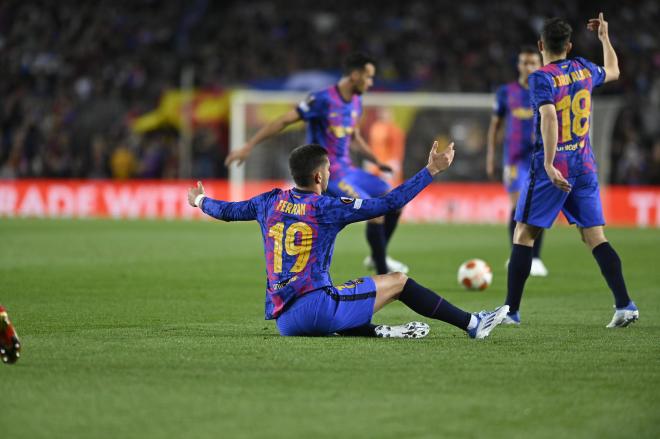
pixel 331 309
pixel 541 201
pixel 357 183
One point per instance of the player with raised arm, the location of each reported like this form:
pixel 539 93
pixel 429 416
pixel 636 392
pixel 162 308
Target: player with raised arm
pixel 299 227
pixel 332 117
pixel 513 112
pixel 10 346
pixel 563 173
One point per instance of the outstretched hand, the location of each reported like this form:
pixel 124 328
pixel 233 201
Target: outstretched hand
pixel 238 156
pixel 557 178
pixel 385 168
pixel 440 160
pixel 599 25
pixel 194 192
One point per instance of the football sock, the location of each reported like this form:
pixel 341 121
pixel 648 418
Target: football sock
pixel 536 253
pixel 376 239
pixel 425 302
pixel 520 263
pixel 512 226
pixel 368 330
pixel 610 266
pixel 391 221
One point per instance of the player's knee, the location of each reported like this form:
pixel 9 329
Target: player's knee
pixel 400 279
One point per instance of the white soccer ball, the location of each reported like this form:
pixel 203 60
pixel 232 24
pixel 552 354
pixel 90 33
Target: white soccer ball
pixel 475 274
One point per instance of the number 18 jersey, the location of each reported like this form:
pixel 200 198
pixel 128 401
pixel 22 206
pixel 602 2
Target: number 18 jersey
pixel 567 84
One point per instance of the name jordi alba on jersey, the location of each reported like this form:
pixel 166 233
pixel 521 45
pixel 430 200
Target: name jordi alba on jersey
pixel 567 84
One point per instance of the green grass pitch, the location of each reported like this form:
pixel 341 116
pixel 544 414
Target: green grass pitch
pixel 150 329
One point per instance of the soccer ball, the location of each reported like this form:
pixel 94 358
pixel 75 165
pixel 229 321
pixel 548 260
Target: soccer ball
pixel 475 274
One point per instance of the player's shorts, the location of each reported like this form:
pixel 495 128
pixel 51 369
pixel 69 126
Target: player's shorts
pixel 330 309
pixel 515 176
pixel 541 201
pixel 357 183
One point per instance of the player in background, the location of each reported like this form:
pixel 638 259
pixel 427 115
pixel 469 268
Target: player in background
pixel 513 112
pixel 563 173
pixel 388 143
pixel 10 346
pixel 332 117
pixel 299 228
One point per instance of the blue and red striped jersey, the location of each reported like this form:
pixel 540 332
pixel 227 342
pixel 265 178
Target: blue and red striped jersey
pixel 299 229
pixel 331 122
pixel 567 84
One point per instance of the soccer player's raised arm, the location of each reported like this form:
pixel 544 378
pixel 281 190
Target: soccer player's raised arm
pixel 346 210
pixel 222 210
pixel 610 60
pixel 549 132
pixel 266 132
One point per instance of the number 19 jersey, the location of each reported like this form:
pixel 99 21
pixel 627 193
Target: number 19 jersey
pixel 567 84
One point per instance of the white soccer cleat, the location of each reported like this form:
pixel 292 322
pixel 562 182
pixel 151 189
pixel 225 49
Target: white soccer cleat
pixel 408 330
pixel 392 265
pixel 624 316
pixel 538 268
pixel 488 320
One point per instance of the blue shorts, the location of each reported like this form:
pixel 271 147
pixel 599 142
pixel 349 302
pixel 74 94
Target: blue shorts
pixel 541 201
pixel 515 176
pixel 331 309
pixel 357 183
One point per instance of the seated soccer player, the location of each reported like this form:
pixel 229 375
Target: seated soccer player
pixel 299 227
pixel 10 347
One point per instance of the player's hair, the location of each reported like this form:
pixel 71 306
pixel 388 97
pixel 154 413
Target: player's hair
pixel 528 50
pixel 556 34
pixel 304 160
pixel 356 61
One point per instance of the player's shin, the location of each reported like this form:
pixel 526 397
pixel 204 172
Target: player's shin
pixel 427 303
pixel 377 242
pixel 610 266
pixel 520 263
pixel 391 221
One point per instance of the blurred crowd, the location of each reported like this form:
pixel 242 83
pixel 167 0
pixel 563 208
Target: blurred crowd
pixel 75 73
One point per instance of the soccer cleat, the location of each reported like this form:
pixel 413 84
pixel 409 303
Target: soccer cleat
pixel 512 318
pixel 538 268
pixel 624 316
pixel 10 346
pixel 488 320
pixel 392 265
pixel 409 330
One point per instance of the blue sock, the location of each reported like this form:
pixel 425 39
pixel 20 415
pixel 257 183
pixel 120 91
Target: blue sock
pixel 520 263
pixel 391 221
pixel 610 266
pixel 425 302
pixel 376 239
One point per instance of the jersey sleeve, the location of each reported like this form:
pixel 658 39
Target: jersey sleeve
pixel 344 211
pixel 234 211
pixel 500 105
pixel 540 90
pixel 313 107
pixel 597 72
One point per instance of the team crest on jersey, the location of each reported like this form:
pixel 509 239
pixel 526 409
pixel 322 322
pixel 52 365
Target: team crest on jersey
pixel 347 200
